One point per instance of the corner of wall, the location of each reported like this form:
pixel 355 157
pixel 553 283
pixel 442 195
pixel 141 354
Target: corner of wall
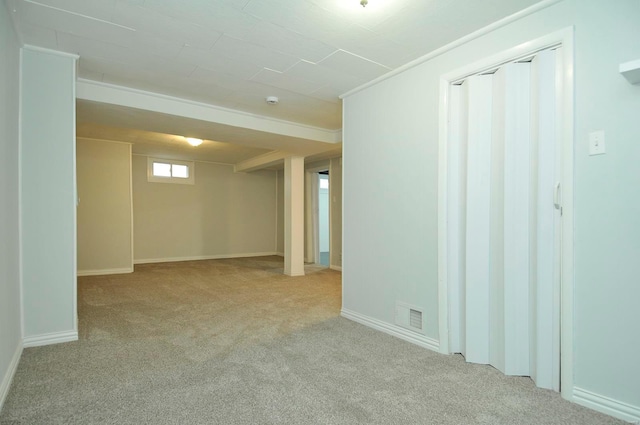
pixel 5 384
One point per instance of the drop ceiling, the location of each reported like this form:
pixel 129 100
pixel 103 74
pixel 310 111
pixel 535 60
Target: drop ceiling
pixel 235 53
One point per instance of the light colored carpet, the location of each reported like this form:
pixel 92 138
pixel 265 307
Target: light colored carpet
pixel 237 342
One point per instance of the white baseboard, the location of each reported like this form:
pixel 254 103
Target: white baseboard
pixel 606 405
pixel 48 339
pixel 203 257
pixel 104 272
pixel 338 268
pixel 394 330
pixel 280 254
pixel 8 376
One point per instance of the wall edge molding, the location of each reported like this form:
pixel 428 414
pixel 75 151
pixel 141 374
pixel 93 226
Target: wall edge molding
pixel 123 270
pixel 393 330
pixel 11 372
pixel 50 338
pixel 606 405
pixel 203 257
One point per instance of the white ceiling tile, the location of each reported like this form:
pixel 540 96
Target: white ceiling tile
pixel 322 75
pixel 330 28
pixel 99 9
pixel 83 26
pixel 328 94
pixel 302 17
pixel 373 46
pixel 90 75
pixel 285 81
pixel 291 107
pixel 286 41
pixel 122 56
pixel 243 51
pixel 146 43
pixel 224 16
pixel 165 27
pixel 86 47
pixel 348 63
pixel 38 36
pixel 211 61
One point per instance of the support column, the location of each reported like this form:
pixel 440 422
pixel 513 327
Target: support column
pixel 294 216
pixel 48 196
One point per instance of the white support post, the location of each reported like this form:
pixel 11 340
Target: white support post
pixel 294 216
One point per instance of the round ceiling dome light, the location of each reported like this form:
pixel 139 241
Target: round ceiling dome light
pixel 193 141
pixel 364 2
pixel 272 100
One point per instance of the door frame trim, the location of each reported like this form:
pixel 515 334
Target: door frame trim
pixel 564 38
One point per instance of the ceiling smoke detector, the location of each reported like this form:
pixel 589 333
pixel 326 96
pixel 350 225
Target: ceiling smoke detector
pixel 272 100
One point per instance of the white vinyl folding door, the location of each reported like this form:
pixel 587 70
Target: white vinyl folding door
pixel 503 218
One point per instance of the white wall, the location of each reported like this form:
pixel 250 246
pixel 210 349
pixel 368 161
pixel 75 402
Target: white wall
pixel 48 204
pixel 223 214
pixel 105 225
pixel 390 226
pixel 10 328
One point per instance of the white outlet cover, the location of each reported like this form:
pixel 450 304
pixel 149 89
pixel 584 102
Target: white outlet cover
pixel 596 143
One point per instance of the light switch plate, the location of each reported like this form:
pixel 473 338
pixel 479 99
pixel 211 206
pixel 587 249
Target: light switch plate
pixel 596 143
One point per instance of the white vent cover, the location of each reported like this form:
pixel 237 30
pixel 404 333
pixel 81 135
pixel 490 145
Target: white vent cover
pixel 409 317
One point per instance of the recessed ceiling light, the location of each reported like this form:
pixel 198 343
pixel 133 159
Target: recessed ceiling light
pixel 193 141
pixel 272 100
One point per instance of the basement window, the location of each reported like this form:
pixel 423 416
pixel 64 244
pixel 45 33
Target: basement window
pixel 170 171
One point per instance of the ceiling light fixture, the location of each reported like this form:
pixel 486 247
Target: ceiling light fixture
pixel 364 2
pixel 272 100
pixel 194 142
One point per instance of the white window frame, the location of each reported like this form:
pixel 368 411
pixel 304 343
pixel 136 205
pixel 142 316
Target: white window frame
pixel 160 179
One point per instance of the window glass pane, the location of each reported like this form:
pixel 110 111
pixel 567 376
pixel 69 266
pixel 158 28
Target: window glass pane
pixel 161 169
pixel 324 183
pixel 181 171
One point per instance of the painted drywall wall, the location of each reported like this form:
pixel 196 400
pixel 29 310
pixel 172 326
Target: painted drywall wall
pixel 10 327
pixel 280 213
pixel 390 226
pixel 335 185
pixel 222 214
pixel 48 198
pixel 105 225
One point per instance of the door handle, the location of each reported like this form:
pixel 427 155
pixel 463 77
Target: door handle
pixel 556 196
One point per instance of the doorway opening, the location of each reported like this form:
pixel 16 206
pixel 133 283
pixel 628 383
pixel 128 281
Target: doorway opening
pixel 318 216
pixel 323 218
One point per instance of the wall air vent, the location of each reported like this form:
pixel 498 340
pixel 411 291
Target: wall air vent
pixel 415 319
pixel 409 317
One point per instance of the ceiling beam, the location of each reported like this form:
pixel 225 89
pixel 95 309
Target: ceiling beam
pixel 124 96
pixel 266 160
